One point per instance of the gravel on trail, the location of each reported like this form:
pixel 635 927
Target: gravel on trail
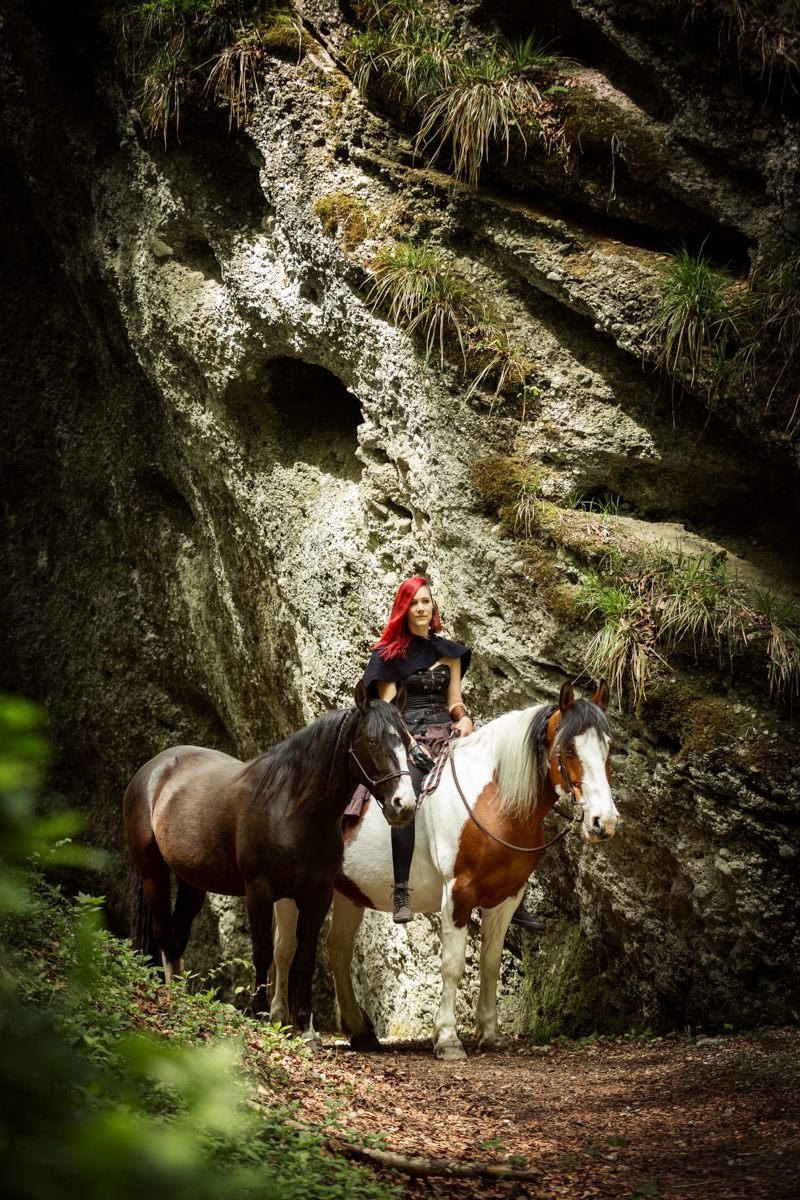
pixel 632 1117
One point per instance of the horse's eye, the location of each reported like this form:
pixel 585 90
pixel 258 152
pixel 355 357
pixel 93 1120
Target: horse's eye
pixel 373 742
pixel 570 751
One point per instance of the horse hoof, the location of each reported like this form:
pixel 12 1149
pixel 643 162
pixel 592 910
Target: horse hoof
pixel 365 1042
pixel 494 1042
pixel 313 1043
pixel 451 1051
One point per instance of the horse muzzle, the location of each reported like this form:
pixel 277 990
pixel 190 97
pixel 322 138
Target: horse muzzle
pixel 599 829
pixel 397 808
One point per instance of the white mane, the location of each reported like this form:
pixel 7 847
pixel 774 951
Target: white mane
pixel 517 767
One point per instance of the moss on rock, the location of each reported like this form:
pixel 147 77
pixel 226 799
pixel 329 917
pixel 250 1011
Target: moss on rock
pixel 685 712
pixel 569 995
pixel 340 212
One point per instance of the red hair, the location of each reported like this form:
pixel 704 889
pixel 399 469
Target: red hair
pixel 396 637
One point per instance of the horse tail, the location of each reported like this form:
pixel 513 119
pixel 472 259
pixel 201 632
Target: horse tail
pixel 143 933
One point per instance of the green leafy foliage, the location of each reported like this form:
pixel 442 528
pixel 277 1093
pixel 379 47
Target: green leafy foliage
pixel 467 103
pixel 103 1089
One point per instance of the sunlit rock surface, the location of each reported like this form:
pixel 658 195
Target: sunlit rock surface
pixel 219 461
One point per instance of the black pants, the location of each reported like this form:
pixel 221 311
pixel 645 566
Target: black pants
pixel 404 836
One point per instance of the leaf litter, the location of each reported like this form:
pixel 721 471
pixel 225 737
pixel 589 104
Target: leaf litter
pixel 617 1118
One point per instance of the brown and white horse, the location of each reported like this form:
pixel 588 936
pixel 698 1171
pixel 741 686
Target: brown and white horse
pixel 512 772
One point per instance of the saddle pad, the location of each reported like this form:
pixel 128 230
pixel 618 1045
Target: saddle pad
pixel 433 778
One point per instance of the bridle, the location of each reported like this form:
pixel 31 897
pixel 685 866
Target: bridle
pixel 373 783
pixel 573 821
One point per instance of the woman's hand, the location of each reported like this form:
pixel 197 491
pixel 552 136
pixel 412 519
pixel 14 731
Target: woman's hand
pixel 465 725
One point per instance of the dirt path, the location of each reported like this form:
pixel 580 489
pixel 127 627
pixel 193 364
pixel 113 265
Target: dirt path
pixel 612 1119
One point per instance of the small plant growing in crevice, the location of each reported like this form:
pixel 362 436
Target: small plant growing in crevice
pixel 423 293
pixel 663 600
pixel 496 359
pixel 467 103
pixel 524 508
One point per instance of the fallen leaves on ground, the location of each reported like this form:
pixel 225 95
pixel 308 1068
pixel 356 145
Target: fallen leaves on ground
pixel 668 1120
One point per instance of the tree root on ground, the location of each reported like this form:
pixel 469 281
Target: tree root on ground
pixel 425 1167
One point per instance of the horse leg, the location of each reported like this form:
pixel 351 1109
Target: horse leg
pixel 188 904
pixel 346 919
pixel 260 906
pixel 494 924
pixel 309 923
pixel 285 946
pixel 446 1042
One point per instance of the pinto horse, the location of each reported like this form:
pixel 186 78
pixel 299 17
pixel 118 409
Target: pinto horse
pixel 266 829
pixel 510 774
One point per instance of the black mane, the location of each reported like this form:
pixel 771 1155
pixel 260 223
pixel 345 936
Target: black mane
pixel 309 762
pixel 584 714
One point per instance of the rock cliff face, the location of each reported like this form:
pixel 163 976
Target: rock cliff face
pixel 219 461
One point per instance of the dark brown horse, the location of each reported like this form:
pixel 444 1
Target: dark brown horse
pixel 268 829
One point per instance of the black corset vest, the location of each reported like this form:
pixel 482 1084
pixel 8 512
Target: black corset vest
pixel 427 697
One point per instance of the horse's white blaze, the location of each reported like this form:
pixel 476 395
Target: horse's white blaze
pixel 600 815
pixel 404 796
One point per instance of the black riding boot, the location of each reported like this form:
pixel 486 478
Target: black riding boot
pixel 523 918
pixel 403 838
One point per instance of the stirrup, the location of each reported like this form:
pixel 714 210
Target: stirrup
pixel 403 912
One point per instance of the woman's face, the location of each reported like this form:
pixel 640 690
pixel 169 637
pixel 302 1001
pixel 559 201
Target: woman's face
pixel 420 613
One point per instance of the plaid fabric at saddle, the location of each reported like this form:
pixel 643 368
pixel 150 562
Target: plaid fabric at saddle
pixel 433 778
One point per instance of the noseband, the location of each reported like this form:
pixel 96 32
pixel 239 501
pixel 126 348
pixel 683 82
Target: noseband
pixel 373 783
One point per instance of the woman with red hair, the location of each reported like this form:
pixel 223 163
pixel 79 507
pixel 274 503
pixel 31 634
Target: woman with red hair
pixel 411 649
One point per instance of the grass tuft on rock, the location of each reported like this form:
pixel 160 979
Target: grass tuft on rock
pixel 708 333
pixel 189 53
pixel 424 294
pixel 469 104
pixel 661 602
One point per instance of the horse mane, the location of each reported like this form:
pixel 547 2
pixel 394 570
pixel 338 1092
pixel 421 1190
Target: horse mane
pixel 308 763
pixel 519 744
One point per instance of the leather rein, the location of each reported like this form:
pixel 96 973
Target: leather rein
pixel 528 849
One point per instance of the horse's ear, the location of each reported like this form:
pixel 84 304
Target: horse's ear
pixel 400 696
pixel 602 695
pixel 361 698
pixel 566 697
